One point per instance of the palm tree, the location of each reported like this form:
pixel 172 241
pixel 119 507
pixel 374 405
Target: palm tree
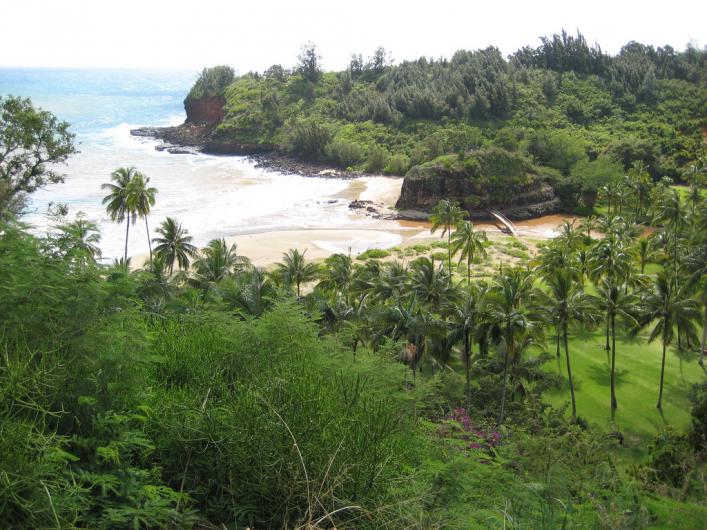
pixel 336 275
pixel 609 259
pixel 696 268
pixel 622 197
pixel 589 224
pixel 610 224
pixel 391 281
pixel 509 304
pixel 645 253
pixel 464 321
pixel 567 304
pixel 640 182
pixel 431 285
pixel 671 212
pixel 569 236
pixel 669 308
pixel 80 237
pixel 470 242
pixel 143 197
pixel 217 261
pixel 119 202
pixel 174 244
pixel 554 257
pixel 294 269
pixel 408 320
pixel 615 301
pixel 607 193
pixel 155 288
pixel 446 214
pixel 251 292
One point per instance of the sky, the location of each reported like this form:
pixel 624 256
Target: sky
pixel 254 34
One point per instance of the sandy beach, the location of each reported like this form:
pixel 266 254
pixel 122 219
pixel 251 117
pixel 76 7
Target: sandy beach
pixel 362 232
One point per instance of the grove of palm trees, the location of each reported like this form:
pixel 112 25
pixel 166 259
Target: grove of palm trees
pixel 414 391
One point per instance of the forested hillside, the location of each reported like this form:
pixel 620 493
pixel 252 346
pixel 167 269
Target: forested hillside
pixel 580 117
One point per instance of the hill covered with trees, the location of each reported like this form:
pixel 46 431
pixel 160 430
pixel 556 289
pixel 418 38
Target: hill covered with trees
pixel 562 119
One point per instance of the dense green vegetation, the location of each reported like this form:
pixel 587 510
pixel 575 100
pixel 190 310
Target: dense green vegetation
pixel 564 110
pixel 563 391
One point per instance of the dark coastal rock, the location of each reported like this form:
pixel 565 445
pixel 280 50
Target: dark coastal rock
pixel 419 194
pixel 180 151
pixel 358 204
pixel 185 135
pixel 373 209
pixel 412 215
pixel 272 160
pixel 206 110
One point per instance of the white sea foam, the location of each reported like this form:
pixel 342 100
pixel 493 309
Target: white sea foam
pixel 213 196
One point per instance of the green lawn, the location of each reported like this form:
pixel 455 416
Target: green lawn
pixel 637 379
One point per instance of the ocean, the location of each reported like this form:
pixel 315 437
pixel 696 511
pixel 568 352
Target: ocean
pixel 213 196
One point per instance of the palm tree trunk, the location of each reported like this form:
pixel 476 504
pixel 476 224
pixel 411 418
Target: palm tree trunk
pixel 468 272
pixel 449 252
pixel 607 347
pixel 614 405
pixel 505 381
pixel 127 232
pixel 704 339
pixel 467 363
pixel 662 373
pixel 149 244
pixel 569 377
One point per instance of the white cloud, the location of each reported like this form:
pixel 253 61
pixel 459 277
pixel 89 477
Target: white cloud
pixel 255 34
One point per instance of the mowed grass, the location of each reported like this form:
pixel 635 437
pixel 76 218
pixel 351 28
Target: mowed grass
pixel 637 382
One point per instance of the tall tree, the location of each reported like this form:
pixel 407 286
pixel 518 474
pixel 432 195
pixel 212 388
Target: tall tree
pixel 567 304
pixel 471 244
pixel 295 269
pixel 464 320
pixel 609 260
pixel 32 145
pixel 174 244
pixel 509 308
pixel 119 201
pixel 671 212
pixel 616 302
pixel 669 308
pixel 143 199
pixel 309 62
pixel 645 253
pixel 446 214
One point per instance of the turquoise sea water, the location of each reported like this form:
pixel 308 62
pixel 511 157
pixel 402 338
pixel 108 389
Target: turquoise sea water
pixel 213 196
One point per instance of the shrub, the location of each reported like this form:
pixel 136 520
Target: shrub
pixel 373 253
pixel 420 248
pixel 344 153
pixel 376 159
pixel 308 139
pixel 397 165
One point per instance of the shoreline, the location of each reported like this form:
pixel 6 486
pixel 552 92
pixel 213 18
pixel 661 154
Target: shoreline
pixel 191 138
pixel 371 204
